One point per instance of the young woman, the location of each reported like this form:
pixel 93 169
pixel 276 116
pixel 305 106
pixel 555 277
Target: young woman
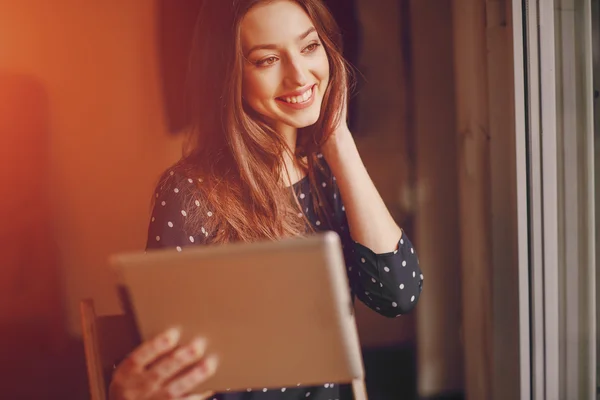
pixel 270 156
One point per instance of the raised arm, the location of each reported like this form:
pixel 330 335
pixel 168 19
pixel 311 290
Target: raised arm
pixel 383 265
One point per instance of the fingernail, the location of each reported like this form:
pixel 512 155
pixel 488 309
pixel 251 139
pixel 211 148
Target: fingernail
pixel 210 364
pixel 171 337
pixel 197 346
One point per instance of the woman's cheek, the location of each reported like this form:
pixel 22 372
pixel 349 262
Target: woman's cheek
pixel 253 89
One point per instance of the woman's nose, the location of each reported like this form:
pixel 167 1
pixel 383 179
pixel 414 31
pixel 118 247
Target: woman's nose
pixel 296 73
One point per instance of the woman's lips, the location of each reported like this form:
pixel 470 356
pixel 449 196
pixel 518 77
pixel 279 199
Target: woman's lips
pixel 301 101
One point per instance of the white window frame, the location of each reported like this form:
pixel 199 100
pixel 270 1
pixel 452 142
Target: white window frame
pixel 559 238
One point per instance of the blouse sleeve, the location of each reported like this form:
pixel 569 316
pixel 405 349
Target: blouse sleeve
pixel 388 283
pixel 172 203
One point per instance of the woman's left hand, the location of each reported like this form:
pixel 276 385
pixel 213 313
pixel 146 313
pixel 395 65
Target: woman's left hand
pixel 341 133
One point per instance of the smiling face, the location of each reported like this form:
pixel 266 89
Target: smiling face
pixel 286 71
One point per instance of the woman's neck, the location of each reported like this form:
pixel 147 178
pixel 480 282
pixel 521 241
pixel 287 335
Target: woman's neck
pixel 290 135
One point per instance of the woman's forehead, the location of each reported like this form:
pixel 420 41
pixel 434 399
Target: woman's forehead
pixel 274 24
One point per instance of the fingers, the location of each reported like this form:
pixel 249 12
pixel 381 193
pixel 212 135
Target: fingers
pixel 177 361
pixel 130 377
pixel 151 350
pixel 202 396
pixel 161 369
pixel 186 382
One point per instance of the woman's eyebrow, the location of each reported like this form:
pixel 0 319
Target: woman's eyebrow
pixel 274 46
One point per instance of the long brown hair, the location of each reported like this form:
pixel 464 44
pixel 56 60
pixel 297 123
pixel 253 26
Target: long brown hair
pixel 234 157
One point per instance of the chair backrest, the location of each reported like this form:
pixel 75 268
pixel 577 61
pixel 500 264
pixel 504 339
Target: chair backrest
pixel 107 340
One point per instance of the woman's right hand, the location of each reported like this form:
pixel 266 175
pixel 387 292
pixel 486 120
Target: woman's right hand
pixel 161 368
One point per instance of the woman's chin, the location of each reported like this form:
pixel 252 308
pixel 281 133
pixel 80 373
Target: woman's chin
pixel 300 122
pixel 305 125
pixel 297 121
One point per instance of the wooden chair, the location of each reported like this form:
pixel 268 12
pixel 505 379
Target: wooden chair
pixel 108 339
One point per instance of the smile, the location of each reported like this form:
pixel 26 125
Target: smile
pixel 300 100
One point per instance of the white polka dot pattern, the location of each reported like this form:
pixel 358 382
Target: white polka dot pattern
pixel 388 283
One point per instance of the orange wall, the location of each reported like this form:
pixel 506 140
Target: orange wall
pixel 108 140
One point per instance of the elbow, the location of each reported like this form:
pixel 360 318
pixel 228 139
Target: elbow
pixel 395 312
pixel 398 311
pixel 400 306
pixel 406 308
pixel 405 302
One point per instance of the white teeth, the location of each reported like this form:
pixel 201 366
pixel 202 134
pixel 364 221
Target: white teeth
pixel 299 99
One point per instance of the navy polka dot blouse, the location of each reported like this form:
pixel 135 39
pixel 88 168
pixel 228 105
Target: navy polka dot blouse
pixel 388 283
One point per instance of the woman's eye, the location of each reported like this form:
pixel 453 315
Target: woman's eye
pixel 311 47
pixel 266 61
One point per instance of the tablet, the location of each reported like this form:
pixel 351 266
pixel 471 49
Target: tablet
pixel 277 314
